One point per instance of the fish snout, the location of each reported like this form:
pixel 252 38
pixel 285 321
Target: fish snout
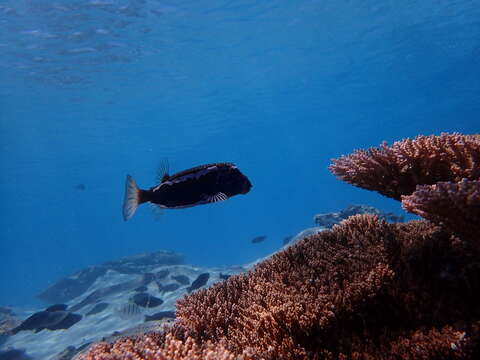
pixel 246 186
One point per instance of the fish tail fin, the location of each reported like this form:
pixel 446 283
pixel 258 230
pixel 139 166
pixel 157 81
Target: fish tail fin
pixel 133 197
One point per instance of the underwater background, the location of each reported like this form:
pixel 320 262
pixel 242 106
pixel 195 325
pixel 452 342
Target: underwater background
pixel 94 90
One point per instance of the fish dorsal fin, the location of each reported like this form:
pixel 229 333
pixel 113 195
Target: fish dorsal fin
pixel 162 172
pixel 220 196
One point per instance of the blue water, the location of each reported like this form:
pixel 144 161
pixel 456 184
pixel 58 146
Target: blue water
pixel 94 90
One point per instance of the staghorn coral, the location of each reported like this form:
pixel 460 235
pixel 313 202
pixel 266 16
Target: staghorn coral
pixel 396 170
pixel 158 346
pixel 455 206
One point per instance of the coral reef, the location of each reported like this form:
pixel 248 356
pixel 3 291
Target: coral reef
pixel 329 219
pixel 159 346
pixel 365 289
pixel 436 177
pixel 455 206
pixel 396 170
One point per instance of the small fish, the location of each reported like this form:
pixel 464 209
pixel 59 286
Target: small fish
pixel 203 184
pixel 80 187
pixel 161 315
pixel 287 239
pixel 57 307
pixel 128 311
pixel 200 281
pixel 182 279
pixel 258 239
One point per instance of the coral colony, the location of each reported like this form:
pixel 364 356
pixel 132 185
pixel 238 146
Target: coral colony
pixel 365 289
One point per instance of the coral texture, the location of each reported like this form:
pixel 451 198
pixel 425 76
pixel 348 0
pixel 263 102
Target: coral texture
pixel 396 170
pixel 364 290
pixel 156 346
pixel 455 206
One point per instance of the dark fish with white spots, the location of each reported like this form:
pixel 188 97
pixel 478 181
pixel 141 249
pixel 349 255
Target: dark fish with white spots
pixel 200 185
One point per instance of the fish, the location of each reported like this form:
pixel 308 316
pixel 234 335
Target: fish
pixel 51 320
pixel 80 187
pixel 182 279
pixel 146 300
pixel 168 287
pixel 199 185
pixel 287 239
pixel 57 307
pixel 101 293
pixel 258 239
pixel 128 310
pixel 161 315
pixel 200 281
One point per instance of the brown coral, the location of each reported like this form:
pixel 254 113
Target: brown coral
pixel 396 170
pixel 363 290
pixel 455 206
pixel 279 309
pixel 156 346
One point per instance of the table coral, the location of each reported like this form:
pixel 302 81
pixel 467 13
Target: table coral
pixel 396 170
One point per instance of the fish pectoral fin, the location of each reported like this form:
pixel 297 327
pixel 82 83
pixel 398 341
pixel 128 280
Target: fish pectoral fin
pixel 220 196
pixel 157 211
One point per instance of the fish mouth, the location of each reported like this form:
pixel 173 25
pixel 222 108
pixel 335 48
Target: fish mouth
pixel 247 185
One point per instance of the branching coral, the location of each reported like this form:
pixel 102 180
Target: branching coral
pixel 396 170
pixel 455 206
pixel 156 346
pixel 436 177
pixel 362 289
pixel 279 309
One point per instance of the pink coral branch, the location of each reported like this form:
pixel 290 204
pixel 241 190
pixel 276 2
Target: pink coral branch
pixel 396 170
